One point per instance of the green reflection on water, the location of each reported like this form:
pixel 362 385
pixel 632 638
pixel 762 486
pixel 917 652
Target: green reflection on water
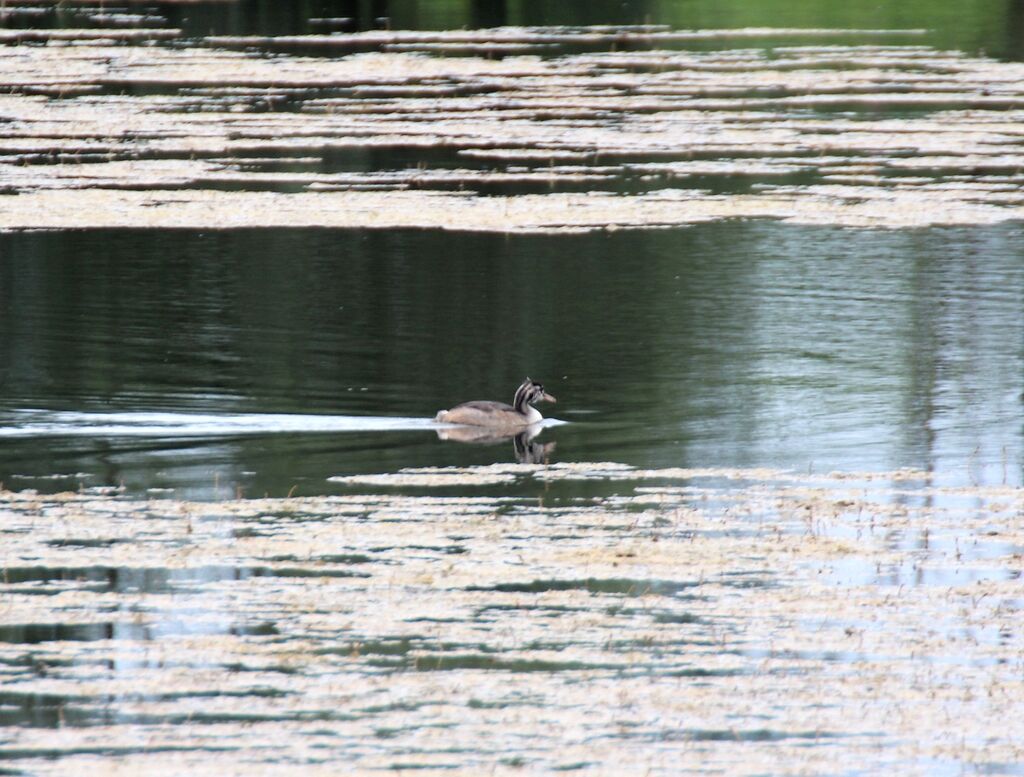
pixel 735 344
pixel 995 27
pixel 992 26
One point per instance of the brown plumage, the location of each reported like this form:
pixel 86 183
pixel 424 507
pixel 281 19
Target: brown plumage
pixel 498 414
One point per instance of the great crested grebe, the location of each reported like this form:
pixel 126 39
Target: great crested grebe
pixel 498 414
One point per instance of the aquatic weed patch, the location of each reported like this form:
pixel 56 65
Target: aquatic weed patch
pixel 470 130
pixel 870 608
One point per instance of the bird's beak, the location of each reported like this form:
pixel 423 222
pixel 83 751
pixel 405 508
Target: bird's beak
pixel 548 398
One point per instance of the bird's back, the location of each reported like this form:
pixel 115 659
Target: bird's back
pixel 482 413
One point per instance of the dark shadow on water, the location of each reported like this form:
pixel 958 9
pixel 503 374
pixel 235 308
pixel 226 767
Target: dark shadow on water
pixel 83 542
pixel 547 610
pixel 45 710
pixel 735 735
pixel 434 662
pixel 37 633
pixel 331 558
pixel 155 580
pixel 454 661
pixel 617 586
pixel 18 753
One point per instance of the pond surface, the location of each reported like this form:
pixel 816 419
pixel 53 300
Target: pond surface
pixel 991 26
pixel 730 344
pixel 774 277
pixel 693 620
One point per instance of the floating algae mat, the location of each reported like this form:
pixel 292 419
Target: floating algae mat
pixel 510 129
pixel 740 621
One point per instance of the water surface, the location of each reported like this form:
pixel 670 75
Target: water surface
pixel 732 344
pixel 989 26
pixel 704 599
pixel 698 617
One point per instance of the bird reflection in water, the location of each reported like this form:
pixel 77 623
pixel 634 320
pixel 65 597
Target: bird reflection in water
pixel 527 450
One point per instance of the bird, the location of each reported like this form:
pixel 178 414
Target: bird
pixel 498 415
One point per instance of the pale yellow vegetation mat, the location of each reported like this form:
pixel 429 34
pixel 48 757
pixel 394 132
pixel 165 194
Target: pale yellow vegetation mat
pixel 740 621
pixel 118 132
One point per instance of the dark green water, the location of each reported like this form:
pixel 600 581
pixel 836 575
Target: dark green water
pixel 734 344
pixel 993 27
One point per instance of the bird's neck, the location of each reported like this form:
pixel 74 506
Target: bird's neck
pixel 519 402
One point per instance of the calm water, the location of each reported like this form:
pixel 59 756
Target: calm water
pixel 734 344
pixel 995 27
pixel 276 359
